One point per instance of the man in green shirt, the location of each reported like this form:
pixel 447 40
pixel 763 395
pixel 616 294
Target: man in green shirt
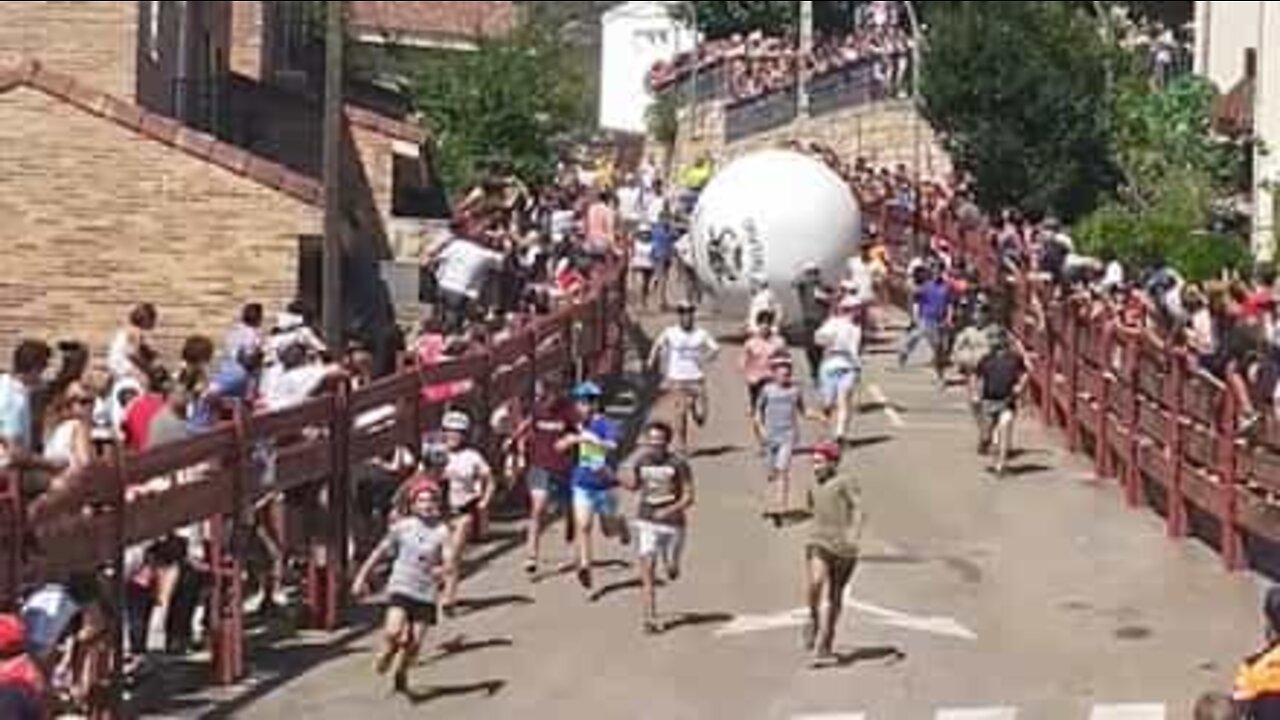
pixel 831 548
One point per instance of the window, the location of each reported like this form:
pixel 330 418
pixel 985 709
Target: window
pixel 413 195
pixel 153 30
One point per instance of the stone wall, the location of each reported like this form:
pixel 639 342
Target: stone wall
pixel 884 133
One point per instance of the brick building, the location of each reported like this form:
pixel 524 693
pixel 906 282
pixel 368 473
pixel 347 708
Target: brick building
pixel 170 152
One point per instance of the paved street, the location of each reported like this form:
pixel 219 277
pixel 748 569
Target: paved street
pixel 1039 596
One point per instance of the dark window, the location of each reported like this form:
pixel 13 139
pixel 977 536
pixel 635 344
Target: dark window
pixel 412 193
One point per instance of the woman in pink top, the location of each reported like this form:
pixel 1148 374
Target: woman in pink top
pixel 757 357
pixel 602 221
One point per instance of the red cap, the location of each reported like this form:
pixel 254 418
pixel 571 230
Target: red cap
pixel 13 636
pixel 422 484
pixel 829 451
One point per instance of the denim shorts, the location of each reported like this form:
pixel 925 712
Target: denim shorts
pixel 778 453
pixel 835 381
pixel 601 502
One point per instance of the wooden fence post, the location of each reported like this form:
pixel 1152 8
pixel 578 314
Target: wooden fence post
pixel 1133 473
pixel 338 510
pixel 1177 502
pixel 1072 328
pixel 1102 452
pixel 1232 539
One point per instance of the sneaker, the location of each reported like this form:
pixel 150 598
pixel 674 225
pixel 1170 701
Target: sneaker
pixel 673 574
pixel 400 683
pixel 584 578
pixel 1249 424
pixel 531 567
pixel 652 628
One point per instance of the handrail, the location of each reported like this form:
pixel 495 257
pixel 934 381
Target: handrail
pixel 217 477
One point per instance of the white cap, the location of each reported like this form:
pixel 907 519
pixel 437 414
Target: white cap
pixel 456 422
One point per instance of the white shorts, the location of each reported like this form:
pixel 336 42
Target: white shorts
pixel 655 539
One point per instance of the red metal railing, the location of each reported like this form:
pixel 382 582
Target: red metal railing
pixel 216 479
pixel 1141 408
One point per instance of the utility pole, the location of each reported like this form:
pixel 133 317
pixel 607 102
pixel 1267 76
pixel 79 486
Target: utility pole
pixel 335 37
pixel 806 49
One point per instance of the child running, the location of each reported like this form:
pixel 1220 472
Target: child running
pixel 777 425
pixel 422 556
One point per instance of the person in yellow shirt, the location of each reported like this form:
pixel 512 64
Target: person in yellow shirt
pixel 1257 690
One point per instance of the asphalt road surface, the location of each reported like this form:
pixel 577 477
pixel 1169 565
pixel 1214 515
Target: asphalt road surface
pixel 1036 596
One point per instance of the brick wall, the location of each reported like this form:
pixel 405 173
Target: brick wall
pixel 96 41
pixel 246 38
pixel 98 217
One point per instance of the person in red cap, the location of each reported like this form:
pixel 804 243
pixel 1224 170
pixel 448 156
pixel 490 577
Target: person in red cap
pixel 23 687
pixel 422 556
pixel 831 548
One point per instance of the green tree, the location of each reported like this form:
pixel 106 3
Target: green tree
pixel 1018 92
pixel 510 101
pixel 721 19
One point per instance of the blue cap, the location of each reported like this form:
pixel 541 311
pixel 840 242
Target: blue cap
pixel 587 391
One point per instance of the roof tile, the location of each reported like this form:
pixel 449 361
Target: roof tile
pixel 229 157
pixel 160 127
pixel 163 129
pixel 195 142
pixel 86 97
pixel 264 171
pixel 126 114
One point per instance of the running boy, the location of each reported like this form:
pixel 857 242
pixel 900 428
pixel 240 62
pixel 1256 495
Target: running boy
pixel 422 556
pixel 777 427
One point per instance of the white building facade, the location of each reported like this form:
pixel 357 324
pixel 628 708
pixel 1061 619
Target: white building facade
pixel 1234 40
pixel 635 35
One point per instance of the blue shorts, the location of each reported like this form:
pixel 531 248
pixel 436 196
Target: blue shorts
pixel 835 380
pixel 597 501
pixel 778 453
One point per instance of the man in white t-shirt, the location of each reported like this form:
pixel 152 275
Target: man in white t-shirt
pixel 461 268
pixel 841 371
pixel 296 380
pixel 683 352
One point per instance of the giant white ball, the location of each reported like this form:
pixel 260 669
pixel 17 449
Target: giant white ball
pixel 765 216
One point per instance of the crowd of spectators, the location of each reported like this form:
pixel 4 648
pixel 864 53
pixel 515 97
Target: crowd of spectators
pixel 512 254
pixel 755 65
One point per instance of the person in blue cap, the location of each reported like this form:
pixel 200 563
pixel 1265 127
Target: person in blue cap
pixel 594 476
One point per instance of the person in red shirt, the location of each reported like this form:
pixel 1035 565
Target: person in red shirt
pixel 554 417
pixel 23 688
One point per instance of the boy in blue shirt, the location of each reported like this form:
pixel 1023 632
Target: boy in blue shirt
pixel 594 476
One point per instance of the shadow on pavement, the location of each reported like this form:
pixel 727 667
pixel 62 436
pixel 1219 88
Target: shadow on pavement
pixel 716 452
pixel 462 646
pixel 475 606
pixel 866 442
pixel 695 619
pixel 488 688
pixel 885 559
pixel 1019 471
pixel 864 655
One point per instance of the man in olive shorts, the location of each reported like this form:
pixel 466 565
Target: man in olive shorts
pixel 831 549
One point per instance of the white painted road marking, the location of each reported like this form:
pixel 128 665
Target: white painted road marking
pixel 878 397
pixel 993 713
pixel 934 625
pixel 1128 712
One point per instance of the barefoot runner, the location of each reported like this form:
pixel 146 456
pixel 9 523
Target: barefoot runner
pixel 421 550
pixel 665 486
